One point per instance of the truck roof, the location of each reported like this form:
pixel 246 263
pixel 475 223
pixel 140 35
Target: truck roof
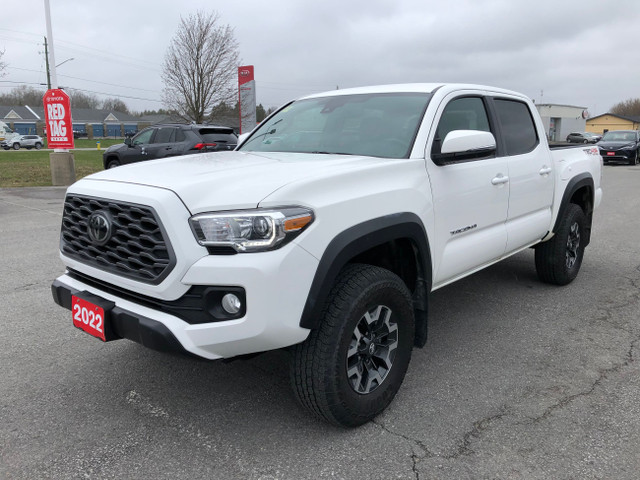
pixel 412 88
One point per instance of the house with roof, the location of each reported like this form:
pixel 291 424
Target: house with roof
pixel 94 123
pixel 89 122
pixel 611 121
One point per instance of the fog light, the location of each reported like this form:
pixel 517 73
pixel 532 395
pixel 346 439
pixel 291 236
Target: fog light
pixel 231 304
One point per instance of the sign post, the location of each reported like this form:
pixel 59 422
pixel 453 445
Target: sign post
pixel 247 101
pixel 63 169
pixel 57 115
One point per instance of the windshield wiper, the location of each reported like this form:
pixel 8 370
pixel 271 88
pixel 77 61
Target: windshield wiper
pixel 330 153
pixel 271 131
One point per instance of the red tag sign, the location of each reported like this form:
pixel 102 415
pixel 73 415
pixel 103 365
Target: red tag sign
pixel 57 114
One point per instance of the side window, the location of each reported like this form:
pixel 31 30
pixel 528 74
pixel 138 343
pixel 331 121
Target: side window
pixel 179 136
pixel 518 130
pixel 466 113
pixel 143 137
pixel 165 135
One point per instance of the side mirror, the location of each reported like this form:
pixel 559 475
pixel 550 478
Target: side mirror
pixel 465 145
pixel 127 141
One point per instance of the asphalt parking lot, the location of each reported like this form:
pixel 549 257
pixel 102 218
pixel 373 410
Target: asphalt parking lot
pixel 519 380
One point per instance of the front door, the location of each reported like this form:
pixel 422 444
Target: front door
pixel 471 197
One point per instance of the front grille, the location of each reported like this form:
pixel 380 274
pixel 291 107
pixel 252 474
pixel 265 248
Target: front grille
pixel 138 247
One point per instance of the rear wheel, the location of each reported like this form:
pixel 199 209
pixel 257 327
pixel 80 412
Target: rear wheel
pixel 558 260
pixel 350 368
pixel 38 146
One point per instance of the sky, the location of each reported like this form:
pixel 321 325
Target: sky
pixel 583 53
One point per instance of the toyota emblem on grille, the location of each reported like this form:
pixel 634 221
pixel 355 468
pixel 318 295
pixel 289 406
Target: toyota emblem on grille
pixel 99 228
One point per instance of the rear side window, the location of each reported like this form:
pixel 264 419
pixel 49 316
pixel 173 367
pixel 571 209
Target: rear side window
pixel 165 135
pixel 518 130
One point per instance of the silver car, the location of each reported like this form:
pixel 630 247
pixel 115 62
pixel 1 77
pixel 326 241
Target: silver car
pixel 26 141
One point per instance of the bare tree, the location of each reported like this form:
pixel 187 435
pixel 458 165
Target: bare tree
pixel 83 100
pixel 22 95
pixel 627 108
pixel 3 65
pixel 200 66
pixel 115 105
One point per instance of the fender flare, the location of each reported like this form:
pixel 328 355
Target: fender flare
pixel 358 239
pixel 576 183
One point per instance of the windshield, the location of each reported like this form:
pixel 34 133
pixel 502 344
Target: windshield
pixel 377 125
pixel 619 137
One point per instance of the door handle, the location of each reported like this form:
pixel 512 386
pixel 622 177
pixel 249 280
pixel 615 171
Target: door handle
pixel 499 180
pixel 545 170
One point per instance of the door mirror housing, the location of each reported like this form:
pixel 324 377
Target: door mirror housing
pixel 461 145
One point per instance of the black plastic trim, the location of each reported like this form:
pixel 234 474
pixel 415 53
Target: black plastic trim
pixel 581 180
pixel 199 305
pixel 356 240
pixel 145 331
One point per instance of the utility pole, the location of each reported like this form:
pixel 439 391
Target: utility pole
pixel 63 169
pixel 46 57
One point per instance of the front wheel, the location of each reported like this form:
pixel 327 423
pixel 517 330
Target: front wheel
pixel 351 367
pixel 636 159
pixel 16 146
pixel 113 163
pixel 558 260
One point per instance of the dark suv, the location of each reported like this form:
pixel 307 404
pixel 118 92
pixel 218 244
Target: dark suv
pixel 169 140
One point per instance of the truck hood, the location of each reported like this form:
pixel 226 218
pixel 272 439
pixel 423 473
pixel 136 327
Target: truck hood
pixel 231 180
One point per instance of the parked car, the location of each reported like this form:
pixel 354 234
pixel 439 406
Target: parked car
pixel 80 134
pixel 26 141
pixel 169 140
pixel 621 146
pixel 583 137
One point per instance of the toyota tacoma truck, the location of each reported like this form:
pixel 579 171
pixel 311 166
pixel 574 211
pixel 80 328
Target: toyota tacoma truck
pixel 324 233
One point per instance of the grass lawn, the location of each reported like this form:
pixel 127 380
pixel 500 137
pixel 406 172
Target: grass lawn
pixel 31 168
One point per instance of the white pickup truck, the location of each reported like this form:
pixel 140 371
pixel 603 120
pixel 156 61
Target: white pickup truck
pixel 325 231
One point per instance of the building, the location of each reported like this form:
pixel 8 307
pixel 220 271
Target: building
pixel 611 121
pixel 86 121
pixel 560 120
pixel 92 123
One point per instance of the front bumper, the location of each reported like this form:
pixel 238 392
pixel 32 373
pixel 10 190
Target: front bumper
pixel 617 155
pixel 276 283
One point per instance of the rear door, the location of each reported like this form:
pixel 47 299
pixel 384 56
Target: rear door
pixel 162 144
pixel 470 196
pixel 531 173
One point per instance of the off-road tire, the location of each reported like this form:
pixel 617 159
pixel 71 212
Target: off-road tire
pixel 558 260
pixel 320 365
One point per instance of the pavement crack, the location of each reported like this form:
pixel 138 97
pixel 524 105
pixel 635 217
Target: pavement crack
pixel 415 457
pixel 464 447
pixel 601 377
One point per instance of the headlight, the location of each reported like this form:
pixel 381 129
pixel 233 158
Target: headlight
pixel 250 230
